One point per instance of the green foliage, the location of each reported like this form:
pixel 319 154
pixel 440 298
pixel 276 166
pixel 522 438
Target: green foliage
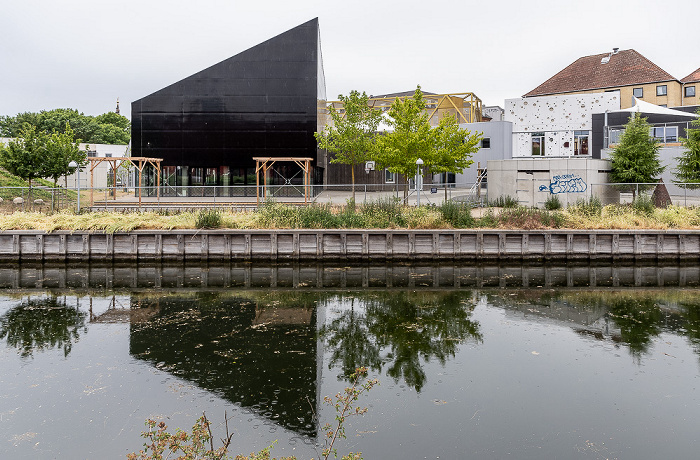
pixel 351 137
pixel 25 157
pixel 208 218
pixel 383 213
pixel 452 147
pixel 410 139
pixel 588 208
pixel 447 148
pixel 108 128
pixel 36 154
pixel 552 203
pixel 504 202
pixel 644 205
pixel 457 214
pixel 688 164
pixel 528 218
pixel 61 150
pixel 636 157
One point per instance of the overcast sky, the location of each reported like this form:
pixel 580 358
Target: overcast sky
pixel 83 54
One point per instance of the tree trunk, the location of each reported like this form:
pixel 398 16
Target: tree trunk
pixel 352 172
pixel 31 202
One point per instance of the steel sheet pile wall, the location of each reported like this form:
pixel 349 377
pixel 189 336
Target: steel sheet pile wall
pixel 349 245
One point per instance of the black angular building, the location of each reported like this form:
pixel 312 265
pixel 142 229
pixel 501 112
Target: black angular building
pixel 266 101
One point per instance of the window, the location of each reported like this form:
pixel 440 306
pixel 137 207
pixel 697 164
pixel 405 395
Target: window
pixel 638 92
pixel 614 135
pixel 486 143
pixel 661 90
pixel 389 177
pixel 665 134
pixel 581 142
pixel 689 91
pixel 538 144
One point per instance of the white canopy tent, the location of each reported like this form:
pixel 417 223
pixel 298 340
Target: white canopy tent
pixel 646 107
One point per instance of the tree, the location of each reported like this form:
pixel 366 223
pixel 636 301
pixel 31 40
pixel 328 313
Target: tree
pixel 25 156
pixel 688 170
pixel 108 128
pixel 61 150
pixel 636 157
pixel 410 139
pixel 351 138
pixel 447 148
pixel 453 148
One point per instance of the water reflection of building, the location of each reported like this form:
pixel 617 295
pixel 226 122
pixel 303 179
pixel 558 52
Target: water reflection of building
pixel 249 352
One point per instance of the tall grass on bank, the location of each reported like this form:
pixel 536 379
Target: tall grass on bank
pixel 377 215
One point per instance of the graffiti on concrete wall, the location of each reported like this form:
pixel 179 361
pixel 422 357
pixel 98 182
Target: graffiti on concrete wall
pixel 565 183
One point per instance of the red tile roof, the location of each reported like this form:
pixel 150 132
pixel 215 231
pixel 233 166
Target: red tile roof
pixel 693 77
pixel 627 67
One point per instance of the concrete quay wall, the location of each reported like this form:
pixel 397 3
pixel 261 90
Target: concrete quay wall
pixel 340 245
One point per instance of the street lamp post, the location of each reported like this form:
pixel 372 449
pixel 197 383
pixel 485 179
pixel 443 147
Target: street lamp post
pixel 74 164
pixel 419 180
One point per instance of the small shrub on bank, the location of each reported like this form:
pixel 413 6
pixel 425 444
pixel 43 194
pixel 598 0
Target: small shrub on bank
pixel 208 218
pixel 587 208
pixel 552 203
pixel 317 216
pixel 383 213
pixel 528 219
pixel 504 202
pixel 643 205
pixel 457 214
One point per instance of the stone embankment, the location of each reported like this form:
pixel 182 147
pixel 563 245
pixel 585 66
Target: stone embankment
pixel 355 244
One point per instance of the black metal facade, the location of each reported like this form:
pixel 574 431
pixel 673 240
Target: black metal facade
pixel 262 102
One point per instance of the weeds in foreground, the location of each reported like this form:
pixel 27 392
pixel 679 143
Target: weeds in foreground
pixel 199 443
pixel 585 214
pixel 208 218
pixel 552 203
pixel 504 202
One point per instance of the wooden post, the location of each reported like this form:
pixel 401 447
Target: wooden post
pixel 257 182
pixel 140 174
pixel 158 181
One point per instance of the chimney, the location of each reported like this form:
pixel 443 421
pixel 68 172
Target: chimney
pixel 616 50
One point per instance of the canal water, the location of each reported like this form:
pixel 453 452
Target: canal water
pixel 490 362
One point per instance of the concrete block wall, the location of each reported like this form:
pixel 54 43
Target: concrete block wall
pixel 533 180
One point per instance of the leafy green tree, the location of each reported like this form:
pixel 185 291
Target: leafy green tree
pixel 351 138
pixel 61 149
pixel 108 128
pixel 12 126
pixel 410 139
pixel 26 156
pixel 688 170
pixel 636 157
pixel 444 149
pixel 453 148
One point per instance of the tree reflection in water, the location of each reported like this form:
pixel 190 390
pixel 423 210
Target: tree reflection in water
pixel 40 324
pixel 399 330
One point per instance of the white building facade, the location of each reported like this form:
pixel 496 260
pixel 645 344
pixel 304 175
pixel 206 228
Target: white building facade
pixel 556 126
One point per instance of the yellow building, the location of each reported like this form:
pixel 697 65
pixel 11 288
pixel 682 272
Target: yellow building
pixel 627 72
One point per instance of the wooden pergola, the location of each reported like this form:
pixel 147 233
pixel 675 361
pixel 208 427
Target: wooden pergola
pixel 265 163
pixel 115 162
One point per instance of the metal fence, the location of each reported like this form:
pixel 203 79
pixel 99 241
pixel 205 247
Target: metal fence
pixel 46 199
